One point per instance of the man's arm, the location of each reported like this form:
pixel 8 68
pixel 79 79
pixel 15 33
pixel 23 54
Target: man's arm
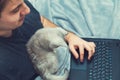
pixel 47 23
pixel 74 41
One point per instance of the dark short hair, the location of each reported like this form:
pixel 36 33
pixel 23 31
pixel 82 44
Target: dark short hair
pixel 2 5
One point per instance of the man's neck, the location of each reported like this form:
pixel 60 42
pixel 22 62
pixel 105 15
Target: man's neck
pixel 5 33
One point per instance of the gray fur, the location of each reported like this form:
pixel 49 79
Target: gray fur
pixel 41 50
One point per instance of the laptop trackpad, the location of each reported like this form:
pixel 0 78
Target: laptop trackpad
pixel 78 70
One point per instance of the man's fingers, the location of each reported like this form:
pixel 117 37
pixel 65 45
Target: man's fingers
pixel 89 46
pixel 92 44
pixel 90 54
pixel 91 49
pixel 74 52
pixel 81 52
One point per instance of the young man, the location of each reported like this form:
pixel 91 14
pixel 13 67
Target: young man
pixel 18 22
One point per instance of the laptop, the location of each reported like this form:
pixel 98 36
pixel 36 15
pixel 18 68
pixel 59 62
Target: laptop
pixel 104 65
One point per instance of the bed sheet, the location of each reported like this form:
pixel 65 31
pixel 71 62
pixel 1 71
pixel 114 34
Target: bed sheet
pixel 86 18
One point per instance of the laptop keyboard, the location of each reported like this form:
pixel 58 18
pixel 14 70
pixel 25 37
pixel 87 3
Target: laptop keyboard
pixel 104 65
pixel 101 67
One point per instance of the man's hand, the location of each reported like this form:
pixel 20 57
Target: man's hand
pixel 77 43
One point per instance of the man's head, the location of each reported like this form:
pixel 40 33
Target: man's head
pixel 12 14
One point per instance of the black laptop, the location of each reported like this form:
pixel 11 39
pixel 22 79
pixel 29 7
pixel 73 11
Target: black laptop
pixel 105 64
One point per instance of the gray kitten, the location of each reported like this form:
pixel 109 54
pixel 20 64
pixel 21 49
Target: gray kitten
pixel 41 50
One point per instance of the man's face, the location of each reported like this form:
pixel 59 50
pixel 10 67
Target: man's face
pixel 13 15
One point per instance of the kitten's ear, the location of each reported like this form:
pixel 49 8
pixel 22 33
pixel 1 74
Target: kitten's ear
pixel 52 47
pixel 57 42
pixel 62 31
